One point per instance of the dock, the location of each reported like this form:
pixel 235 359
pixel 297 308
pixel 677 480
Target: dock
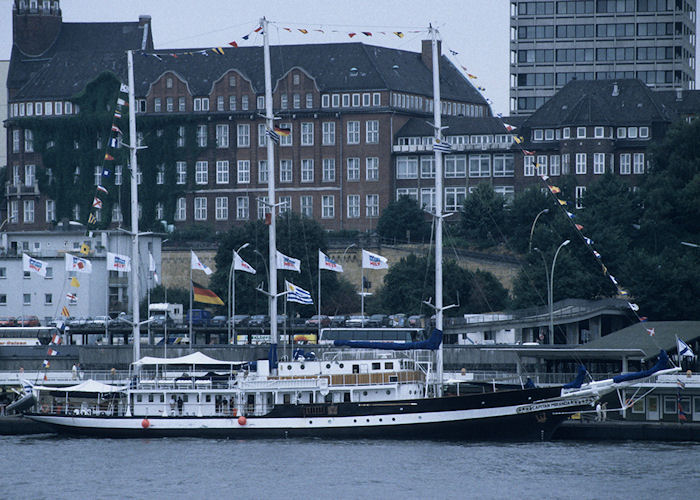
pixel 620 430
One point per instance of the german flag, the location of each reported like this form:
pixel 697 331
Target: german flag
pixel 283 131
pixel 205 295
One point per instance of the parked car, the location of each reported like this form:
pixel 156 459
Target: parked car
pixel 338 321
pixel 297 321
pixel 218 321
pixel 357 321
pixel 259 320
pixel 314 321
pixel 281 319
pixel 239 320
pixel 378 321
pixel 398 320
pixel 416 321
pixel 28 321
pixel 7 321
pixel 200 317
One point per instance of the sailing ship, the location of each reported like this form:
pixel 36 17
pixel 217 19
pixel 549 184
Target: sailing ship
pixel 360 390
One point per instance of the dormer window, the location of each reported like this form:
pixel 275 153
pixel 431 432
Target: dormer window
pixel 599 132
pixel 169 83
pixel 295 79
pixel 580 132
pixel 549 135
pixel 539 134
pixel 566 133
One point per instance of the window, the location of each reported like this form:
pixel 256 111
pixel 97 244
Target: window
pixel 580 192
pixel 3 299
pixel 565 164
pixel 243 135
pixel 621 132
pixel 307 205
pixel 599 132
pixel 503 165
pixel 353 132
pixel 598 163
pixel 328 133
pixel 29 211
pixel 262 135
pixel 427 199
pixel 580 132
pixel 181 104
pixel 222 136
pixel 285 204
pixel 554 165
pixel 372 131
pixel 407 167
pixel 284 101
pixel 181 209
pixel 159 210
pixel 28 141
pixel 372 205
pixel 372 168
pixel 260 102
pixel 242 208
pixel 454 198
pixel 180 172
pixel 307 170
pixel 581 163
pixel 549 135
pixel 232 103
pixel 638 164
pixel 355 100
pixel 286 140
pixel 263 207
pixel 353 169
pixel 328 170
pixel 221 208
pixel 30 175
pixel 3 273
pixel 200 208
pixel 625 164
pixel 643 132
pixel 409 192
pixel 296 101
pixel 243 171
pixel 156 105
pixel 365 100
pixel 201 172
pixel 202 136
pixel 479 166
pixel 262 172
pixel 309 101
pixel 222 176
pixel 336 101
pixel 566 133
pixel 232 81
pixel 528 166
pixel 631 133
pixel 201 104
pixel 50 210
pixel 456 166
pixel 160 174
pixel 27 299
pixel 15 140
pixel 325 101
pixel 116 213
pixel 328 206
pixel 541 165
pixel 285 170
pixel 346 100
pixel 97 175
pixel 180 141
pixel 76 211
pixel 139 175
pixel 538 135
pixel 353 206
pixel 307 134
pixel 244 103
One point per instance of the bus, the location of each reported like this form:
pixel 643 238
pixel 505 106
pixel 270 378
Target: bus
pixel 26 335
pixel 328 335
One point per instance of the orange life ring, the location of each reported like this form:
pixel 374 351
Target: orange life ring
pixel 242 420
pixel 145 423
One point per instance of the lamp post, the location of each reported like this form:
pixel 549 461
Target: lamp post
pixel 532 228
pixel 549 275
pixel 232 295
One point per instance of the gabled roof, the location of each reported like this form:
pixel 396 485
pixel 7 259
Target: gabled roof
pixel 599 102
pixel 679 103
pixel 80 53
pixel 637 336
pixel 456 126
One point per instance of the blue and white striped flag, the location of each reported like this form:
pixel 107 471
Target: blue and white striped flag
pixel 273 135
pixel 442 146
pixel 297 294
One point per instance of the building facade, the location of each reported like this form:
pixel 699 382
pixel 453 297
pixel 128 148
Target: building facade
pixel 556 41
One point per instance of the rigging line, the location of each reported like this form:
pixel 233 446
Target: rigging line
pixel 281 23
pixel 197 35
pixel 428 268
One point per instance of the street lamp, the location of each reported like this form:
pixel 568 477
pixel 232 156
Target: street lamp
pixel 232 294
pixel 688 244
pixel 532 228
pixel 549 275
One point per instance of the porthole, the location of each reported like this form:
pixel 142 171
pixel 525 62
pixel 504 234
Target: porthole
pixel 354 420
pixel 380 420
pixel 367 420
pixel 328 365
pixel 393 419
pixel 420 417
pixel 388 391
pixel 302 367
pixel 364 393
pixel 311 422
pixel 289 367
pixel 341 365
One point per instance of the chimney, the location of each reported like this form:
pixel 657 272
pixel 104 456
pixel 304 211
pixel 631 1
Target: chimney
pixel 679 94
pixel 144 19
pixel 426 53
pixel 34 28
pixel 615 90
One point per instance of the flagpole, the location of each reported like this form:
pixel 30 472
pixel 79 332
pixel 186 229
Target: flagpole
pixel 319 299
pixel 133 146
pixel 231 295
pixel 362 289
pixel 191 291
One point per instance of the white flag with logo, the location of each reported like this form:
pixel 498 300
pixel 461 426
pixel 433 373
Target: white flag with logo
pixel 198 264
pixel 285 263
pixel 374 261
pixel 241 265
pixel 78 264
pixel 116 262
pixel 152 267
pixel 33 265
pixel 684 349
pixel 325 262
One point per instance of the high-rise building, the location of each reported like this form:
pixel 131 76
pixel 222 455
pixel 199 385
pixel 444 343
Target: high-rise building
pixel 556 41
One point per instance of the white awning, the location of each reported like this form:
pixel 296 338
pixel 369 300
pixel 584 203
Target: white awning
pixel 87 386
pixel 196 358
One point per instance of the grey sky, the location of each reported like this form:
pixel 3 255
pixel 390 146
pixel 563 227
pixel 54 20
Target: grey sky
pixel 477 29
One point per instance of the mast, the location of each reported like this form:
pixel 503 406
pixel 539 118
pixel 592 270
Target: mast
pixel 269 118
pixel 134 211
pixel 438 202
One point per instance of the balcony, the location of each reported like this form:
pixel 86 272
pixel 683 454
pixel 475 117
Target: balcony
pixel 20 189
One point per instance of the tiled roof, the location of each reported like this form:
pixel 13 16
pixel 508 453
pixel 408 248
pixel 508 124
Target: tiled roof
pixel 456 126
pixel 593 102
pixel 688 103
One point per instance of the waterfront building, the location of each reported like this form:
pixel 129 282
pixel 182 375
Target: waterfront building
pixel 556 41
pixel 100 292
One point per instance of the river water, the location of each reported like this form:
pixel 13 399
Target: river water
pixel 50 467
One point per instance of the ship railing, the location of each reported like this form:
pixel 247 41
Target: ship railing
pixel 58 407
pixel 63 377
pixel 379 354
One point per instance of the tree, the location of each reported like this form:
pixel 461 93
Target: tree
pixel 412 280
pixel 404 220
pixel 483 217
pixel 521 215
